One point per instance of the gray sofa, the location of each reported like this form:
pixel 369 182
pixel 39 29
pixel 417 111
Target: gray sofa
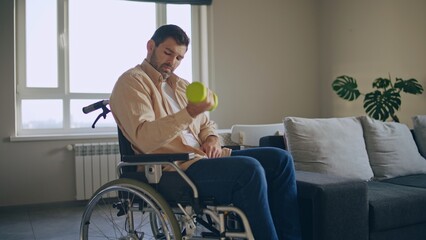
pixel 336 208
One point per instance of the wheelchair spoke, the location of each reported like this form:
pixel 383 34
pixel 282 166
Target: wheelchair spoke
pixel 103 215
pixel 128 215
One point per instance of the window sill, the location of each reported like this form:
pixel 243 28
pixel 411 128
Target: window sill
pixel 82 136
pixel 78 136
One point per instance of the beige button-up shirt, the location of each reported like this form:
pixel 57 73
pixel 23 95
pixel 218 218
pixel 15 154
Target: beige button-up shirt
pixel 146 119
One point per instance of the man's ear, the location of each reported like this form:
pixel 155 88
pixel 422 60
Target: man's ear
pixel 150 45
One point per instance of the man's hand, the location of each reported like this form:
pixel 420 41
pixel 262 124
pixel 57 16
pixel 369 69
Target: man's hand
pixel 194 109
pixel 212 147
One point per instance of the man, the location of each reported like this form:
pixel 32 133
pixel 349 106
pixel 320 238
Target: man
pixel 150 107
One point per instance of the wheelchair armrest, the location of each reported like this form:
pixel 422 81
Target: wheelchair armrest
pixel 158 157
pixel 153 175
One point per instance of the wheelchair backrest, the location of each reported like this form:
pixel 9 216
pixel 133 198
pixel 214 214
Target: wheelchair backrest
pixel 125 149
pixel 125 145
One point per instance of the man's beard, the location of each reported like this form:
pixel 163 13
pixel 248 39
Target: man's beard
pixel 154 63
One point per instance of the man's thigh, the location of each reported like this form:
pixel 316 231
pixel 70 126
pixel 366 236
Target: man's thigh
pixel 221 177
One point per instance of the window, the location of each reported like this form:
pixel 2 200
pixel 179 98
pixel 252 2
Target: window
pixel 71 52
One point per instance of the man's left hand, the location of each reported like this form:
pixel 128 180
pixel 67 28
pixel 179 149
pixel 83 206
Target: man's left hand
pixel 212 147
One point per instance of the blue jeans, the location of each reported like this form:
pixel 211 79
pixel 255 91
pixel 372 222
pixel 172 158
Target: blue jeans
pixel 259 181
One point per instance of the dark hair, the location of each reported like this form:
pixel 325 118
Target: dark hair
pixel 173 31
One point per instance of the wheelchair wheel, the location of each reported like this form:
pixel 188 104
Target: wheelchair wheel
pixel 128 209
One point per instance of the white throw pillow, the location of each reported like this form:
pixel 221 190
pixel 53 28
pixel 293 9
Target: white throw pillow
pixel 391 149
pixel 330 145
pixel 419 126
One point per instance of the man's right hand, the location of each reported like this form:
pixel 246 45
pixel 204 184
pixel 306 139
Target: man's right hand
pixel 194 109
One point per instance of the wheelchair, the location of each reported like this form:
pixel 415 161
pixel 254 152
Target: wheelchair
pixel 155 204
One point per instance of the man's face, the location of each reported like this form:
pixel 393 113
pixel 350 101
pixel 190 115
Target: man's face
pixel 166 57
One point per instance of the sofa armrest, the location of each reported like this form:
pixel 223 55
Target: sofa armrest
pixel 272 141
pixel 331 207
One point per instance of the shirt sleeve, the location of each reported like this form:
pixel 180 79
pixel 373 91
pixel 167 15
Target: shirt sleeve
pixel 207 128
pixel 202 126
pixel 138 114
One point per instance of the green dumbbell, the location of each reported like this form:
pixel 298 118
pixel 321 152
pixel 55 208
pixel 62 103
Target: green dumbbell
pixel 196 93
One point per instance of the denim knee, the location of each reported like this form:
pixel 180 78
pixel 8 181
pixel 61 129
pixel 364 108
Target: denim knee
pixel 250 170
pixel 272 159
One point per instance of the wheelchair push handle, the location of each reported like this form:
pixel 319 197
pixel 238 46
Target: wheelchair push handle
pixel 95 106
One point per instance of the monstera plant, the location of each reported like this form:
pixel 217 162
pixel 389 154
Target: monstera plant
pixel 382 102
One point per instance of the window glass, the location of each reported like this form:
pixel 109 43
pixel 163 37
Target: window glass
pixel 41 114
pixel 41 43
pixel 106 37
pixel 180 14
pixel 70 53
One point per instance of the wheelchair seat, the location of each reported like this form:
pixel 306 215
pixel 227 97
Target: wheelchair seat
pixel 171 186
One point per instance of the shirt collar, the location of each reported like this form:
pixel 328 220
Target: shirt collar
pixel 156 76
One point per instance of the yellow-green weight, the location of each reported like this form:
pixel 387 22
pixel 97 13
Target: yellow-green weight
pixel 196 93
pixel 216 102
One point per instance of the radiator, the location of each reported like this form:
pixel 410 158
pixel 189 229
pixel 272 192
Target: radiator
pixel 94 166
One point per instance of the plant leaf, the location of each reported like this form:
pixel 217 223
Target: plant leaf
pixel 411 86
pixel 380 106
pixel 381 83
pixel 346 88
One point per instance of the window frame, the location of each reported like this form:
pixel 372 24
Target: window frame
pixel 199 72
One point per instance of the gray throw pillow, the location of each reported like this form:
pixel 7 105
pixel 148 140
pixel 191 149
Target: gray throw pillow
pixel 419 127
pixel 329 145
pixel 391 149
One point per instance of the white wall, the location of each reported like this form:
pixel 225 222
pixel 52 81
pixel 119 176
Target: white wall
pixel 270 59
pixel 30 172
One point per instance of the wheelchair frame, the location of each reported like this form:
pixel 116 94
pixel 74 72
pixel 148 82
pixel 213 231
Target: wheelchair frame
pixel 133 197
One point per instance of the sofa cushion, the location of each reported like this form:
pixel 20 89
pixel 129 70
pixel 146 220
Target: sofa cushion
pixel 417 180
pixel 393 205
pixel 419 127
pixel 333 146
pixel 391 149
